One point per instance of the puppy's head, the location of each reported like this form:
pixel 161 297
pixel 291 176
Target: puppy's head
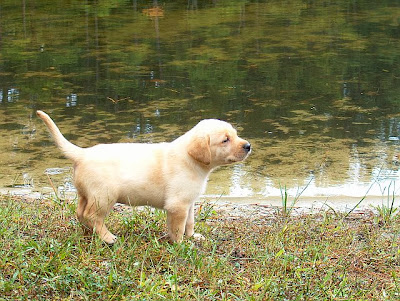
pixel 215 142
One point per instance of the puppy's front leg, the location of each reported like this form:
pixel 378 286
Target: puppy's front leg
pixel 189 228
pixel 176 221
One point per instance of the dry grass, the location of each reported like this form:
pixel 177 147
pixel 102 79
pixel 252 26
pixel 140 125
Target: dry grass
pixel 311 257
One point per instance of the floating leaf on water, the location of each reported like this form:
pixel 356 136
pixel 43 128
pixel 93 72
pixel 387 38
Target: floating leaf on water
pixel 154 12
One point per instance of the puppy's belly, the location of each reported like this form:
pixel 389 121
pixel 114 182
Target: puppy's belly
pixel 128 174
pixel 142 195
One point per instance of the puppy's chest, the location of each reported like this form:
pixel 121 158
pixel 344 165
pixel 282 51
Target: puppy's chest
pixel 186 187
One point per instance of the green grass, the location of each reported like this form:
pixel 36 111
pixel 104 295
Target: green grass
pixel 287 208
pixel 44 256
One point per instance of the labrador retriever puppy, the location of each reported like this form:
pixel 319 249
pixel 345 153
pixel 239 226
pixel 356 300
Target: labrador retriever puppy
pixel 169 176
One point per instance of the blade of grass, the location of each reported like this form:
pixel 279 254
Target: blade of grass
pixel 365 195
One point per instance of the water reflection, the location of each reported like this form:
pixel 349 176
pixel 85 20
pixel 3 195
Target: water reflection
pixel 313 86
pixel 238 186
pixel 72 100
pixel 27 181
pixel 11 96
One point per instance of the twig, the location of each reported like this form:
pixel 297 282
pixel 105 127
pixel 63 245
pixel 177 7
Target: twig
pixel 54 189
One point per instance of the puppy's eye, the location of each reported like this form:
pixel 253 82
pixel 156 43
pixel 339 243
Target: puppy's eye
pixel 225 140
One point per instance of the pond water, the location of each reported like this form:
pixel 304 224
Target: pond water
pixel 313 85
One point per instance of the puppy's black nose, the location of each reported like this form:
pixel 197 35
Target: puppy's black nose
pixel 247 147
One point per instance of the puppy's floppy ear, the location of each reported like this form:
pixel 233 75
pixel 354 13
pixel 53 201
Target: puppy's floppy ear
pixel 199 149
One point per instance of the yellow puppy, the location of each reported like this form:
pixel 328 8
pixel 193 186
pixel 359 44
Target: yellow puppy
pixel 169 176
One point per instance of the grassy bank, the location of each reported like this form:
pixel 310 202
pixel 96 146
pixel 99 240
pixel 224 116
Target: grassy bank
pixel 312 257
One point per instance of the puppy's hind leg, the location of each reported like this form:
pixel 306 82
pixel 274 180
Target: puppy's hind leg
pixel 94 215
pixel 80 210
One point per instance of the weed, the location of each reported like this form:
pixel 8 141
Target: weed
pixel 386 212
pixel 286 208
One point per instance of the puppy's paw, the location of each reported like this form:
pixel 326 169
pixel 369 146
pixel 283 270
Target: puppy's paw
pixel 110 239
pixel 198 237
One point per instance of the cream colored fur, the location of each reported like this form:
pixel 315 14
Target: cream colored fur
pixel 169 176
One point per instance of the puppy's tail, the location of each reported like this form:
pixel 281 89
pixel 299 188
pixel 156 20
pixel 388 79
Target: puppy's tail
pixel 70 150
